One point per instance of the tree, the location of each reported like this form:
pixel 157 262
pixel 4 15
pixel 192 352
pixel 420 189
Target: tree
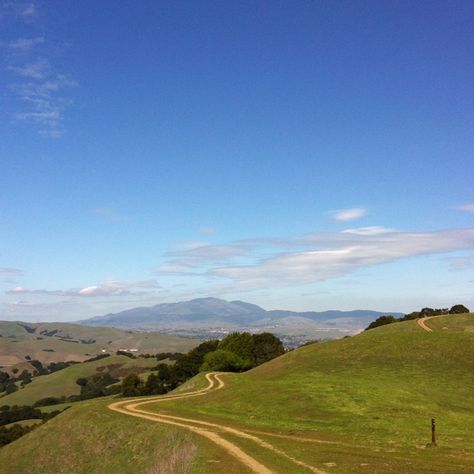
pixel 458 309
pixel 154 385
pixel 381 321
pixel 225 361
pixel 410 316
pixel 132 385
pixel 241 344
pixel 266 347
pixel 427 312
pixel 188 365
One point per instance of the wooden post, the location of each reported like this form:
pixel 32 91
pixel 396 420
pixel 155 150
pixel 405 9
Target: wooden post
pixel 433 432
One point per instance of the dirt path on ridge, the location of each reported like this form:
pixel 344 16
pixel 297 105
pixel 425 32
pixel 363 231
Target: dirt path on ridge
pixel 206 429
pixel 422 322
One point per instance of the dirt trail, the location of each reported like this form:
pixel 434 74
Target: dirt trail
pixel 422 322
pixel 207 429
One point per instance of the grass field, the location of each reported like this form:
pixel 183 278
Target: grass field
pixel 59 342
pixel 378 390
pixel 362 404
pixel 63 382
pixel 90 439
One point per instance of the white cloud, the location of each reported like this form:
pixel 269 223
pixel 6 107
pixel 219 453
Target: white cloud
pixel 27 10
pixel 373 230
pixel 107 288
pixel 109 214
pixel 37 69
pixel 40 90
pixel 206 230
pixel 466 207
pixel 24 44
pixel 344 215
pixel 459 264
pixel 346 253
pixel 204 254
pixel 10 271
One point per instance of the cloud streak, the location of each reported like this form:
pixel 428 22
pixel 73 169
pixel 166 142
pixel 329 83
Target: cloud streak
pixel 41 92
pixel 24 44
pixel 344 215
pixel 8 271
pixel 466 207
pixel 347 253
pixel 109 214
pixel 260 263
pixel 105 289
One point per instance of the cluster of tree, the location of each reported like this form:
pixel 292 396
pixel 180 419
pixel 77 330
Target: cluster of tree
pixel 8 435
pixel 235 353
pixel 97 385
pixel 15 414
pixel 7 383
pixel 97 357
pixel 126 353
pixel 162 356
pixel 424 313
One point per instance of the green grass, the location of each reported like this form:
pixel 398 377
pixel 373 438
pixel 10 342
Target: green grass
pixel 90 439
pixel 31 422
pixel 70 342
pixel 378 389
pixel 63 382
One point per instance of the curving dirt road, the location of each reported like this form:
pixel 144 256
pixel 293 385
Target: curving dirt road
pixel 422 322
pixel 207 429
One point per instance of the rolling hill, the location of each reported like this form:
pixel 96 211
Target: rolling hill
pixel 59 342
pixel 208 317
pixel 355 405
pixel 63 382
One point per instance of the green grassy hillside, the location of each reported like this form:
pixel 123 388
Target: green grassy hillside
pixel 387 382
pixel 63 382
pixel 59 342
pixel 378 389
pixel 90 439
pixel 363 404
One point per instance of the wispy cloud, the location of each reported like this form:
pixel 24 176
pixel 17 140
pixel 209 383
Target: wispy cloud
pixel 344 215
pixel 109 214
pixel 24 44
pixel 466 207
pixel 27 10
pixel 8 271
pixel 346 254
pixel 459 264
pixel 200 255
pixel 373 230
pixel 206 230
pixel 37 69
pixel 261 263
pixel 107 288
pixel 41 91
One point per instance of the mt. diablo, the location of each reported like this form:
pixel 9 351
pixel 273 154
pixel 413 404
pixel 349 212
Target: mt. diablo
pixel 205 317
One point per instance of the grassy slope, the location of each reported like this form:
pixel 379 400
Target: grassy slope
pixel 378 389
pixel 373 394
pixel 63 382
pixel 90 439
pixel 16 342
pixel 31 422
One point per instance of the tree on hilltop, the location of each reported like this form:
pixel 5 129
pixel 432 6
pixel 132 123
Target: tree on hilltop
pixel 458 309
pixel 381 321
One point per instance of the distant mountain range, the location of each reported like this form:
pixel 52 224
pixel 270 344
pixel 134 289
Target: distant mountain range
pixel 211 317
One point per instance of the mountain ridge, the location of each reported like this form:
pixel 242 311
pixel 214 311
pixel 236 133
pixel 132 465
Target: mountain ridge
pixel 205 316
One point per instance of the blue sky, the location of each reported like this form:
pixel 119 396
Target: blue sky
pixel 298 155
